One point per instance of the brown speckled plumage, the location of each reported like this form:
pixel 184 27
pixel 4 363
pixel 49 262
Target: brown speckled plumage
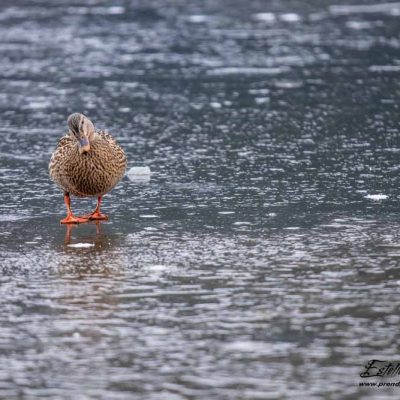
pixel 91 174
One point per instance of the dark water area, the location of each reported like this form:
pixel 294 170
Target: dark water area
pixel 261 258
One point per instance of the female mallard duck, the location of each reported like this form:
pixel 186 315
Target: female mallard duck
pixel 86 163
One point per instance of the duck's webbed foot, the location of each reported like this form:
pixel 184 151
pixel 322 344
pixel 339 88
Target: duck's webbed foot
pixel 71 219
pixel 96 215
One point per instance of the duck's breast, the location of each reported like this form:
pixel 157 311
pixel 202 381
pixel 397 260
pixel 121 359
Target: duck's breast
pixel 98 171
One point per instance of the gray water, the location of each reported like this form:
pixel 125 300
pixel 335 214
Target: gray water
pixel 260 261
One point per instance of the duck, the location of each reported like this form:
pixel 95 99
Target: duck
pixel 87 162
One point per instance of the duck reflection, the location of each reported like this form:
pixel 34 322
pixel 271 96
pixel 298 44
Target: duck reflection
pixel 70 227
pixel 88 249
pixel 85 290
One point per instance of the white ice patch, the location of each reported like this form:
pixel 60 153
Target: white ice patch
pixel 197 19
pixel 358 25
pixel 142 174
pixel 261 100
pixel 392 8
pixel 266 17
pixel 39 105
pixel 376 197
pixel 116 10
pixel 290 17
pixel 384 68
pixel 226 71
pixel 288 84
pixel 81 245
pixel 139 171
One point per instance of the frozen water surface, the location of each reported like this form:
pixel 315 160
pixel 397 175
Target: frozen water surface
pixel 256 262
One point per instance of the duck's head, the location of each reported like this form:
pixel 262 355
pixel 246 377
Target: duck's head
pixel 82 128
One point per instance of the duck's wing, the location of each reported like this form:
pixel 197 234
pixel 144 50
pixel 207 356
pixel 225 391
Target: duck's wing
pixel 57 159
pixel 63 145
pixel 107 136
pixel 116 148
pixel 64 142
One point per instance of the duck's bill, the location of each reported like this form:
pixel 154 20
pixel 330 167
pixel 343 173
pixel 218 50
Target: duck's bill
pixel 85 145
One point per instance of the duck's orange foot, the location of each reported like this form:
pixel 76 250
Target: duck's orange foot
pixel 96 216
pixel 71 219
